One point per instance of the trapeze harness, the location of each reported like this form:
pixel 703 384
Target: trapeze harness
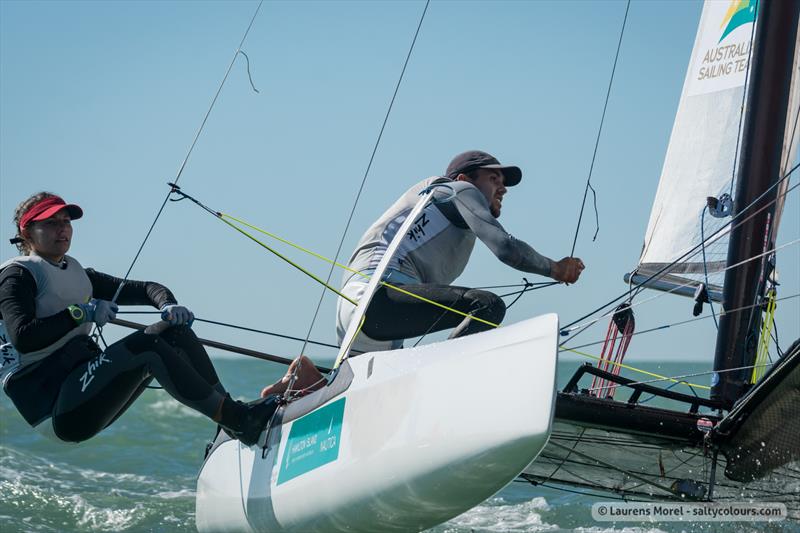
pixel 59 379
pixel 434 253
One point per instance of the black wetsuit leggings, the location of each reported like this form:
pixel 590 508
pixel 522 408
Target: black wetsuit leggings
pixel 393 315
pixel 97 391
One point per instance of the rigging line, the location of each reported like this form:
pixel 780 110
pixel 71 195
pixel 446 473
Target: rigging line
pixel 297 266
pixel 290 243
pixel 581 492
pixel 664 293
pixel 244 328
pixel 529 287
pixel 510 285
pixel 369 166
pixel 576 441
pixel 191 148
pixel 791 139
pixel 645 400
pixel 222 346
pixel 705 265
pixel 680 323
pixel 597 143
pixel 693 251
pixel 249 76
pixel 236 326
pixel 219 90
pixel 696 374
pixel 614 467
pixel 224 218
pixel 634 369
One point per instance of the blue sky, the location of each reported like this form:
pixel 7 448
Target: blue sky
pixel 99 102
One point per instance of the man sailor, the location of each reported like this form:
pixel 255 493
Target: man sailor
pixel 435 252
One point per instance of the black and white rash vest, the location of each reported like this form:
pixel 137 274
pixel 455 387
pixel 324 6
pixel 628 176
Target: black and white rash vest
pixel 57 287
pixel 436 249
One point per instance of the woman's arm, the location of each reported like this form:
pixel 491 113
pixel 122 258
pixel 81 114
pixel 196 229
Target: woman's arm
pixel 18 309
pixel 104 287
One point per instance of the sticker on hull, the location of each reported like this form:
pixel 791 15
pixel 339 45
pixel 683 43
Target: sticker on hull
pixel 313 441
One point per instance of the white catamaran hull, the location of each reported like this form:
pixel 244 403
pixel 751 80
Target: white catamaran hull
pixel 419 436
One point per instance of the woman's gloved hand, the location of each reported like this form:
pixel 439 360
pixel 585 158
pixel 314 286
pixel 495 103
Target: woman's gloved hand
pixel 177 315
pixel 97 311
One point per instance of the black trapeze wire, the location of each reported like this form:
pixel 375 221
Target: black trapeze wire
pixel 597 144
pixel 239 327
pixel 366 172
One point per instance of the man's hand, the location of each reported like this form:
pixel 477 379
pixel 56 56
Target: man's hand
pixel 568 270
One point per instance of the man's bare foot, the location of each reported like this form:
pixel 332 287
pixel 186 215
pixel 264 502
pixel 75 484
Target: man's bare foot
pixel 308 378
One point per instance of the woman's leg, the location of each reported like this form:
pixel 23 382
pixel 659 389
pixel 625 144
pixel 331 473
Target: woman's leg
pixel 186 343
pixel 97 392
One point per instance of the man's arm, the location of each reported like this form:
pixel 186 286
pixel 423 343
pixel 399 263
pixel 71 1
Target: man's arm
pixel 474 210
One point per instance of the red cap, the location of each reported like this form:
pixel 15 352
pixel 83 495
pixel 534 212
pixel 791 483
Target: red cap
pixel 47 208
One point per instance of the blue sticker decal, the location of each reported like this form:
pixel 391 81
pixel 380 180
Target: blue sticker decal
pixel 313 441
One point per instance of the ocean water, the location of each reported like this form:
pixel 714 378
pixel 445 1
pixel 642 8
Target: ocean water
pixel 140 474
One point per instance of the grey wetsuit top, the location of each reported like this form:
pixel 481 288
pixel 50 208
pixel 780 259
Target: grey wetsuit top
pixel 439 244
pixel 435 250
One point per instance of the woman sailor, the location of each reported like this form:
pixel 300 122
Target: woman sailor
pixel 60 381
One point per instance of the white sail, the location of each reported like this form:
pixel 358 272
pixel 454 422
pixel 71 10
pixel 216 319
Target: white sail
pixel 791 135
pixel 701 155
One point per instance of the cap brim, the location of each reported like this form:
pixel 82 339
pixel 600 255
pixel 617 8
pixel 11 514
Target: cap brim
pixel 73 210
pixel 512 174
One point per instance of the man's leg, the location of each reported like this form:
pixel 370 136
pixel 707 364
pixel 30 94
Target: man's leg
pixel 394 314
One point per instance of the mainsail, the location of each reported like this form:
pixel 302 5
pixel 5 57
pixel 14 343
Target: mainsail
pixel 700 159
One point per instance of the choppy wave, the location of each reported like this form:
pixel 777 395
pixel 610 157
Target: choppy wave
pixel 46 495
pixel 499 515
pixel 170 407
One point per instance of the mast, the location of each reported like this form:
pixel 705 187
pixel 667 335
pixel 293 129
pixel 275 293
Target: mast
pixel 759 168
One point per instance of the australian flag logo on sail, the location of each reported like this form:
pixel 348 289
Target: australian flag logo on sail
pixel 739 13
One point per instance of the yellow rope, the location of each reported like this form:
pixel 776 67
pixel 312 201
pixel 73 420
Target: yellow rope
pixel 437 304
pixel 225 216
pixel 621 365
pixel 766 335
pixel 301 269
